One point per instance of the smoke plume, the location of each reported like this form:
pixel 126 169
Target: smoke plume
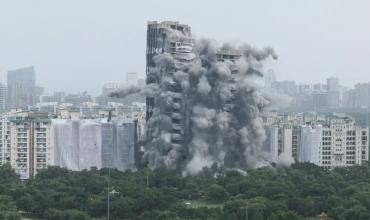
pixel 207 107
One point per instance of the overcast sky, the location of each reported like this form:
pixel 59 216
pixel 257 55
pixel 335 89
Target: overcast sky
pixel 77 45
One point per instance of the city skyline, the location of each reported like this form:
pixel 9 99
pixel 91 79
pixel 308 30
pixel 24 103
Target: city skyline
pixel 322 40
pixel 168 109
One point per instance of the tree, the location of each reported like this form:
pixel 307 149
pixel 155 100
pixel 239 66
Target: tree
pixel 216 193
pixel 69 214
pixel 9 181
pixel 8 210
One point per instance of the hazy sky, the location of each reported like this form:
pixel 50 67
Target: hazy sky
pixel 77 45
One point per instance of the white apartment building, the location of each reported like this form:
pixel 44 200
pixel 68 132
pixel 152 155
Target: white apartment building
pixel 335 143
pixel 31 144
pixel 283 139
pixel 3 97
pixel 311 137
pixel 327 141
pixel 4 140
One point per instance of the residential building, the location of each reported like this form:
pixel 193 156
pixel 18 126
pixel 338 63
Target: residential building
pixel 4 139
pixel 160 40
pixel 329 141
pixel 3 97
pixel 84 143
pixel 174 39
pixel 31 142
pixel 334 143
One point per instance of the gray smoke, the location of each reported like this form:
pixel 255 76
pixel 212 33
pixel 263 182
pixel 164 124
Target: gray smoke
pixel 150 90
pixel 125 92
pixel 207 109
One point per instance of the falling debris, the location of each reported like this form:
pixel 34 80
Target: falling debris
pixel 206 104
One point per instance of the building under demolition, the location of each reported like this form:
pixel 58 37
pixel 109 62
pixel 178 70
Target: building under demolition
pixel 175 39
pixel 202 105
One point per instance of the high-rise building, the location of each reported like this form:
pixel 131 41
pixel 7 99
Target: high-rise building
pixel 333 88
pixel 174 39
pixel 332 84
pixel 230 55
pixel 311 136
pixel 283 139
pixel 285 87
pixel 271 144
pixel 318 100
pixel 3 97
pixel 22 90
pixel 4 139
pixel 270 78
pixel 334 143
pixel 31 143
pixel 327 141
pixel 362 96
pixel 158 42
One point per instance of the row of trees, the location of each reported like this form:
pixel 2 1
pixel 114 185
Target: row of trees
pixel 302 191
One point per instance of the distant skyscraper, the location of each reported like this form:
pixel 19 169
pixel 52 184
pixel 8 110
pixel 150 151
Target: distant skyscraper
pixel 285 87
pixel 332 84
pixel 333 88
pixel 319 100
pixel 3 97
pixel 361 96
pixel 131 79
pixel 22 90
pixel 270 78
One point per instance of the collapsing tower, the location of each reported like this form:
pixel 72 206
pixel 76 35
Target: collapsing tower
pixel 159 41
pixel 174 39
pixel 202 102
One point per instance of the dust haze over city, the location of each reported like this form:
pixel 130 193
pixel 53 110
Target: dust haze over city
pixel 184 110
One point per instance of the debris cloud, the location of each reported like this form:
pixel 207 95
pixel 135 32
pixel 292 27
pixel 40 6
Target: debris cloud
pixel 207 106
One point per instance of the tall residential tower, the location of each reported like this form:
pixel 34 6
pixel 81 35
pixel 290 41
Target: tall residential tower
pixel 3 97
pixel 158 34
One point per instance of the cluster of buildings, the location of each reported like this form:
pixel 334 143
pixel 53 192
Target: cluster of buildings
pixel 32 140
pixel 22 92
pixel 78 131
pixel 326 140
pixel 329 96
pixel 75 131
